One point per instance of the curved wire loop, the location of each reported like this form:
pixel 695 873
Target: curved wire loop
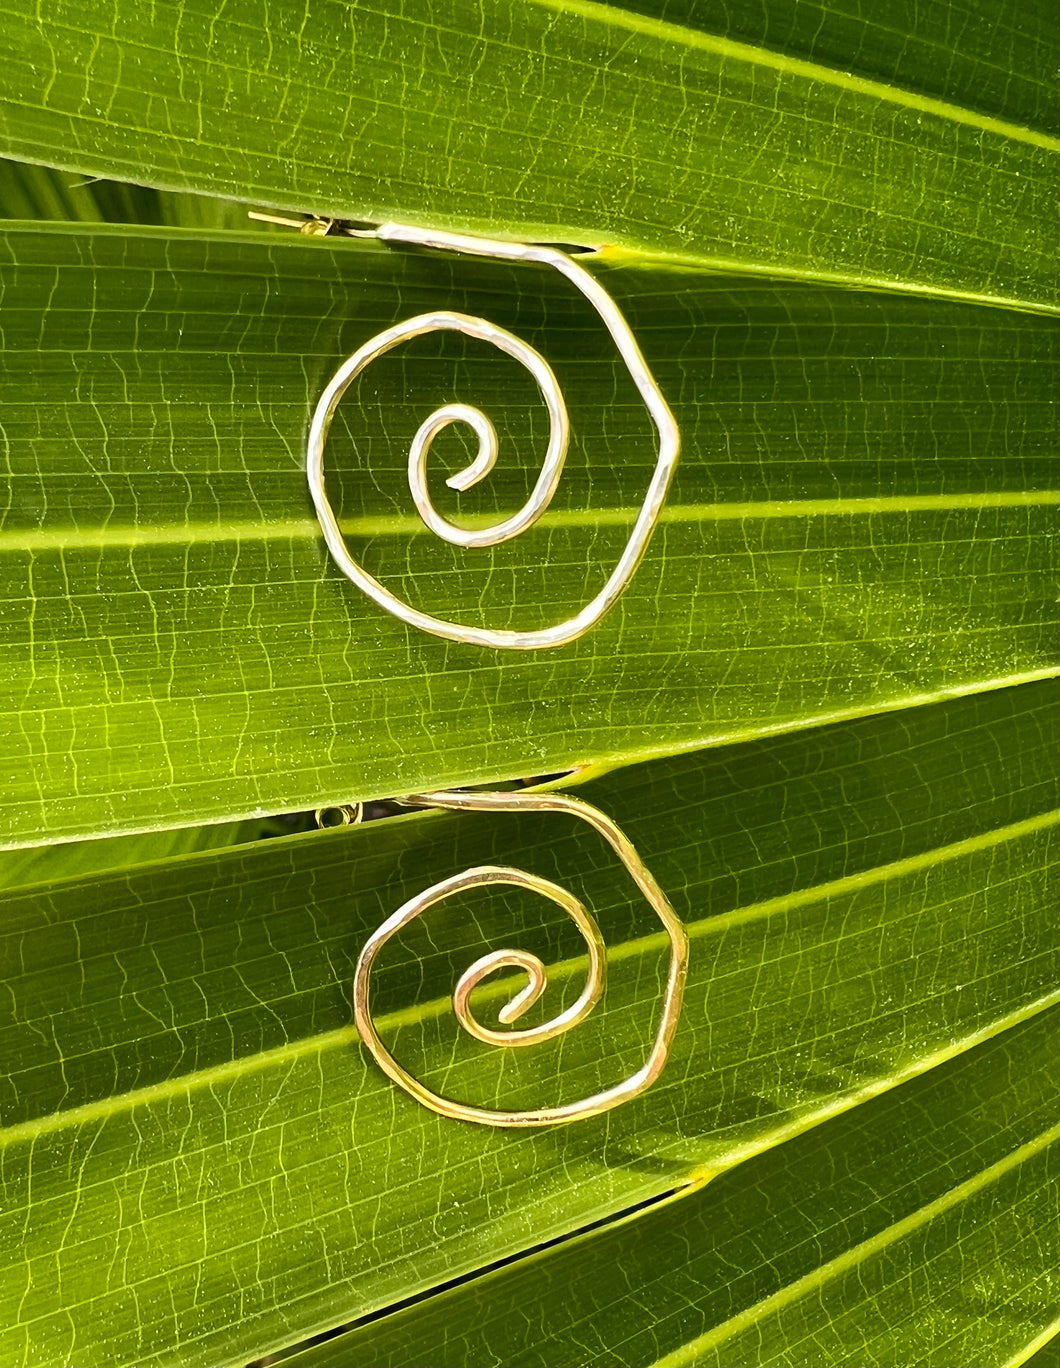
pixel 552 467
pixel 347 814
pixel 529 964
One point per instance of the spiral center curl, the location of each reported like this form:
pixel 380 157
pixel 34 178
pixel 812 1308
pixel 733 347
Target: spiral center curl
pixel 480 467
pixel 537 974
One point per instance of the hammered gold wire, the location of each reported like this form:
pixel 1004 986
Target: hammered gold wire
pixel 559 433
pixel 482 875
pixel 350 814
pixel 560 634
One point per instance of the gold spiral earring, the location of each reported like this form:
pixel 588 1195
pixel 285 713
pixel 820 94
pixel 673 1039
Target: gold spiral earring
pixel 558 635
pixel 529 964
pixel 547 481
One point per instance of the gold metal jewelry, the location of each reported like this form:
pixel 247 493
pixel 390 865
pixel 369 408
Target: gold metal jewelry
pixel 534 969
pixel 547 481
pixel 349 814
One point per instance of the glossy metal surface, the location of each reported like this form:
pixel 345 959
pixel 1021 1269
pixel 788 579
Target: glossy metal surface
pixel 547 481
pixel 536 972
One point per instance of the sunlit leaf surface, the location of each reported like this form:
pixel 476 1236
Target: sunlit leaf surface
pixel 864 516
pixel 835 149
pixel 833 231
pixel 201 1164
pixel 918 1229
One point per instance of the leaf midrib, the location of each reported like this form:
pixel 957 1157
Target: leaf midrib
pixel 410 525
pixel 683 36
pixel 1038 1342
pixel 851 1258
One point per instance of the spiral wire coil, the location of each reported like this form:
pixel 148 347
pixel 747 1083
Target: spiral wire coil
pixel 552 467
pixel 530 965
pixel 558 635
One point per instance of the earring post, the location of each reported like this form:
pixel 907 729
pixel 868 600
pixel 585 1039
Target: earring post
pixel 311 226
pixel 277 219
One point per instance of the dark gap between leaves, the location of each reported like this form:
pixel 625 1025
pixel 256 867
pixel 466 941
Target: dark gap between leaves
pixel 440 1288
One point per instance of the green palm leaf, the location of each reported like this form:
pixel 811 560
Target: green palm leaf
pixel 849 471
pixel 824 710
pixel 932 1262
pixel 216 1128
pixel 568 120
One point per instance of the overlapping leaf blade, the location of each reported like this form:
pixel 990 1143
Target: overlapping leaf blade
pixel 201 1165
pixel 36 864
pixel 862 523
pixel 39 192
pixel 862 518
pixel 567 121
pixel 918 1228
